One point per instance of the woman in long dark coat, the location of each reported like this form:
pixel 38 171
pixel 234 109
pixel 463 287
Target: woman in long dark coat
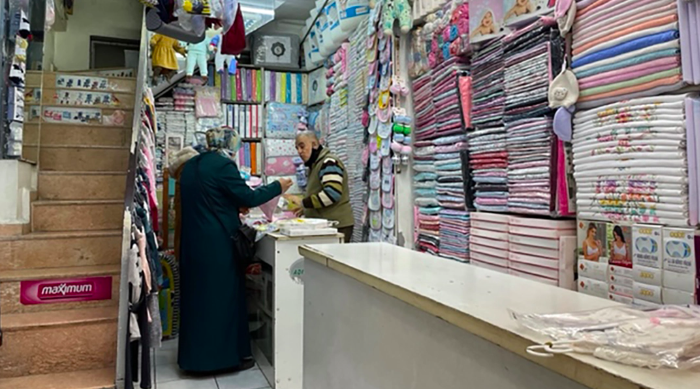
pixel 214 333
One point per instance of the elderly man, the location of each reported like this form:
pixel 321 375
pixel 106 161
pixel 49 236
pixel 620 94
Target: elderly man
pixel 327 193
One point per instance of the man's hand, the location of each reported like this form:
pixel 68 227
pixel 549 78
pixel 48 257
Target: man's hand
pixel 299 212
pixel 295 200
pixel 285 183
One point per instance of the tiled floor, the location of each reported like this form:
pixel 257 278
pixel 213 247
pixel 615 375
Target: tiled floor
pixel 168 376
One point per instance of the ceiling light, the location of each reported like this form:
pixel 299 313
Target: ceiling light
pixel 256 10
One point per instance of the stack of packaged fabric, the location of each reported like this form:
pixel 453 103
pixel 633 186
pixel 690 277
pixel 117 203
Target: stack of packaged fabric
pixel 529 54
pixel 425 197
pixel 529 143
pixel 622 51
pixel 636 161
pixel 450 190
pixel 488 100
pixel 488 162
pixel 448 112
pixel 426 121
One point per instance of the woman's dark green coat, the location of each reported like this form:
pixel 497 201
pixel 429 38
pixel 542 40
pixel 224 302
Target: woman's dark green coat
pixel 214 321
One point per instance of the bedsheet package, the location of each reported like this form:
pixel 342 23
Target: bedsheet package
pixel 636 161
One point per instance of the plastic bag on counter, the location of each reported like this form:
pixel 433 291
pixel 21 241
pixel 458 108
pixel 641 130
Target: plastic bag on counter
pixel 667 337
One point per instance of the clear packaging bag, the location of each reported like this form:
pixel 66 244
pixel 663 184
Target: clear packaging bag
pixel 667 337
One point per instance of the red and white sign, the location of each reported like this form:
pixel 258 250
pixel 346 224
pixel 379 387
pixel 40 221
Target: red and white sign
pixel 65 290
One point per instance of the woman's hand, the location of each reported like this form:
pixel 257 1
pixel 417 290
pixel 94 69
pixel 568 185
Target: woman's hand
pixel 285 183
pixel 244 211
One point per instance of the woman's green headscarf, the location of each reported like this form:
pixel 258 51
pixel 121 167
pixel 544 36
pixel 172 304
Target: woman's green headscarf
pixel 224 140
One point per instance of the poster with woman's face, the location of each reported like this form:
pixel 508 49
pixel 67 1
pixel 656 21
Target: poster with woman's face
pixel 485 20
pixel 520 11
pixel 592 241
pixel 620 250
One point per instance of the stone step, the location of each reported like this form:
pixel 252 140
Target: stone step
pixel 11 280
pixel 50 249
pixel 80 158
pixel 49 342
pixel 77 215
pixel 81 185
pixel 86 379
pixel 72 134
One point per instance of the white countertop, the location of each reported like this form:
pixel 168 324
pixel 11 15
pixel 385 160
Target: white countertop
pixel 478 300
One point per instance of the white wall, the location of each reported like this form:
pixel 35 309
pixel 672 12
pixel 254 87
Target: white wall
pixel 107 18
pixel 17 181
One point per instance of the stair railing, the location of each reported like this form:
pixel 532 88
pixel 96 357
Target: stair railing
pixel 122 336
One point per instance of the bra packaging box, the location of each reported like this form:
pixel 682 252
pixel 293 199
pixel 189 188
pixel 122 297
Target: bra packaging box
pixel 646 249
pixel 680 264
pixel 592 250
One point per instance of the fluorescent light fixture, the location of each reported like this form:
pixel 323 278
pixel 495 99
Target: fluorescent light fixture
pixel 256 10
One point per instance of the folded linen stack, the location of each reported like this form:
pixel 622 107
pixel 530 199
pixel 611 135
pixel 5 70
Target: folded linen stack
pixel 489 95
pixel 426 122
pixel 529 143
pixel 450 191
pixel 529 54
pixel 445 95
pixel 488 162
pixel 357 83
pixel 425 197
pixel 624 50
pixel 632 164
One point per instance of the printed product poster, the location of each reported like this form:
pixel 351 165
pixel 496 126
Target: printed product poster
pixel 68 97
pixel 486 20
pixel 82 82
pixel 520 11
pixel 72 115
pixel 619 239
pixel 592 241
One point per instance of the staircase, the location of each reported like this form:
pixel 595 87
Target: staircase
pixel 74 240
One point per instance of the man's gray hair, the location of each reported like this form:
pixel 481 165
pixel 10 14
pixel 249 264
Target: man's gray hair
pixel 307 134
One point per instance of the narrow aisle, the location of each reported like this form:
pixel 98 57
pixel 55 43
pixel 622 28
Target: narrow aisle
pixel 170 377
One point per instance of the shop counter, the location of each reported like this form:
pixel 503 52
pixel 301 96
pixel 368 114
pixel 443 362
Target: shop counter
pixel 381 316
pixel 277 307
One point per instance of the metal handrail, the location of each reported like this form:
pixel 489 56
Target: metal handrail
pixel 141 80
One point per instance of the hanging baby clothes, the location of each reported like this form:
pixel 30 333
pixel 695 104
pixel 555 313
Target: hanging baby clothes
pixel 197 56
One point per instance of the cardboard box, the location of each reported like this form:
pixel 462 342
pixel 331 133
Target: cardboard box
pixel 593 287
pixel 594 270
pixel 620 299
pixel 683 282
pixel 592 241
pixel 647 246
pixel 651 293
pixel 677 297
pixel 620 280
pixel 620 271
pixel 645 304
pixel 647 275
pixel 621 290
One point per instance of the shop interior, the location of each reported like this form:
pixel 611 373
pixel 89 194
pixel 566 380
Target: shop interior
pixel 523 177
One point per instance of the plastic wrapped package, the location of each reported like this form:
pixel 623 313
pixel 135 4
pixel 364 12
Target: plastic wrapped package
pixel 282 120
pixel 207 102
pixel 276 51
pixel 667 337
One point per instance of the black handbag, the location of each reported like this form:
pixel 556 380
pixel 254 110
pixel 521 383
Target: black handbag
pixel 242 240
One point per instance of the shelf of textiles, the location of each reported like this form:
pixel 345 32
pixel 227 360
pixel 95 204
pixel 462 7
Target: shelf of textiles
pixel 441 181
pixel 247 119
pixel 537 249
pixel 286 87
pixel 246 86
pixel 281 157
pixel 517 163
pixel 622 51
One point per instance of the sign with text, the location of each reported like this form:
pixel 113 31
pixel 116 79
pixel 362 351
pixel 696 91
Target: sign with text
pixel 65 290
